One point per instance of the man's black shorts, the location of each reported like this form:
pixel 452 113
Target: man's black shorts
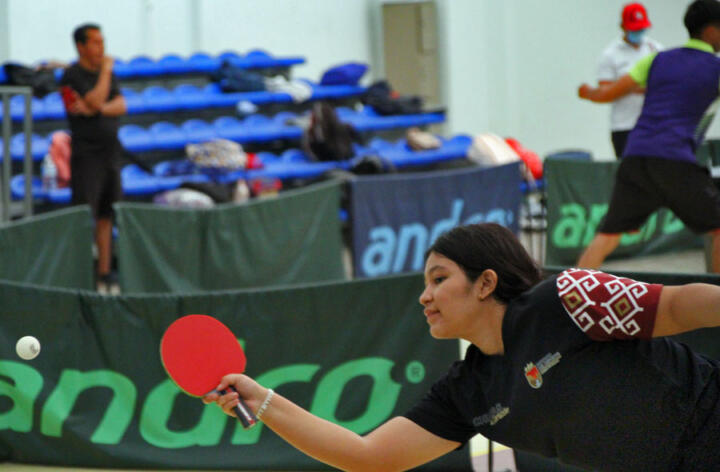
pixel 644 184
pixel 95 180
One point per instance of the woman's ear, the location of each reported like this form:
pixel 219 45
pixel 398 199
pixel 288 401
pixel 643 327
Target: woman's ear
pixel 486 283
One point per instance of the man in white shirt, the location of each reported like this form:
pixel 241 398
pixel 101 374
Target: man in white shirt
pixel 616 60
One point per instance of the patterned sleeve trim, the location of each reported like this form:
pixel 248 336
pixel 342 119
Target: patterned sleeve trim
pixel 606 307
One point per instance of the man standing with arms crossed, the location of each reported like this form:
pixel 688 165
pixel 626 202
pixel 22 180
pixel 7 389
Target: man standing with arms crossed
pixel 94 103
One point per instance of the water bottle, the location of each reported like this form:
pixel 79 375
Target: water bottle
pixel 49 173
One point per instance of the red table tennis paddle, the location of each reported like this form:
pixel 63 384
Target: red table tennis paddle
pixel 197 351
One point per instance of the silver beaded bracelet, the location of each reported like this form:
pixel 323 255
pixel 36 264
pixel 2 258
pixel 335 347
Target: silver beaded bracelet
pixel 265 403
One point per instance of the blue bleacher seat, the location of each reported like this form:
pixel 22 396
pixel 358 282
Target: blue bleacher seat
pixel 344 112
pixel 260 58
pixel 135 138
pixel 260 128
pixel 3 76
pixel 17 108
pixel 282 117
pixel 159 99
pixel 133 170
pixel 53 106
pixel 202 62
pixel 172 168
pixel 228 127
pixel 230 56
pixel 294 155
pixel 173 64
pixel 39 146
pixel 143 66
pixel 190 97
pixel 267 157
pixel 198 131
pixel 257 120
pixel 378 144
pixel 17 187
pixel 258 55
pixel 122 69
pixel 167 136
pixel 216 98
pixel 134 100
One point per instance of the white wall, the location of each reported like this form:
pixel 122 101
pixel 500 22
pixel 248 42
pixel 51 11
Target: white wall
pixel 326 32
pixel 508 66
pixel 514 66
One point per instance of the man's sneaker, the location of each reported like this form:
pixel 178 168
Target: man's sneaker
pixel 107 284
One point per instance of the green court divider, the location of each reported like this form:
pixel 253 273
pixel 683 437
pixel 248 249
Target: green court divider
pixel 53 249
pixel 355 352
pixel 294 238
pixel 578 193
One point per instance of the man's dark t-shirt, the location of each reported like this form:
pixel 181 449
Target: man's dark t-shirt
pixel 91 134
pixel 95 162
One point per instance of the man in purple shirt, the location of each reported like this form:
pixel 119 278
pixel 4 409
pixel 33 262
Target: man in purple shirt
pixel 659 168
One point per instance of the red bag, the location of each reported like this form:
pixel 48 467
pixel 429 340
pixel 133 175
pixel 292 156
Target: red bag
pixel 532 161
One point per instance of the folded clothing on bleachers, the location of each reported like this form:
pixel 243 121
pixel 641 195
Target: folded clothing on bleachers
pixel 386 101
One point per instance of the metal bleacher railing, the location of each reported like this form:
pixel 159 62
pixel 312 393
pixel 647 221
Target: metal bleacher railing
pixel 6 92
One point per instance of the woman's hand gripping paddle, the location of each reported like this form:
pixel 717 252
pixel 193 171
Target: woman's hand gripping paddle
pixel 197 351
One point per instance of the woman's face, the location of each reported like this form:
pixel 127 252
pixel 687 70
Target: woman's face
pixel 451 301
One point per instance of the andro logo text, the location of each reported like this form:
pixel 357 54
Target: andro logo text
pixel 123 408
pixel 389 251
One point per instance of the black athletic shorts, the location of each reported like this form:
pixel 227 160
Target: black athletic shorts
pixel 644 184
pixel 619 140
pixel 95 180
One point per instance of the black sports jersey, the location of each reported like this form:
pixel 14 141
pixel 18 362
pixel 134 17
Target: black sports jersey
pixel 580 379
pixel 90 131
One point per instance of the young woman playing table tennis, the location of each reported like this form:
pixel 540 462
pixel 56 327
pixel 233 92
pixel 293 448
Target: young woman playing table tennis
pixel 576 366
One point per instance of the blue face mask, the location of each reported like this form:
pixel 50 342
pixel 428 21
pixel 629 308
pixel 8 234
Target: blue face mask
pixel 635 37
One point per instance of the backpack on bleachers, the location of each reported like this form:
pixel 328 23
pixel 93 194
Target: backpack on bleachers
pixel 327 138
pixel 349 73
pixel 236 79
pixel 386 101
pixel 41 80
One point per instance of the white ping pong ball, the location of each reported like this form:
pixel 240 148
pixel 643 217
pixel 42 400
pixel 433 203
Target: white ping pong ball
pixel 27 347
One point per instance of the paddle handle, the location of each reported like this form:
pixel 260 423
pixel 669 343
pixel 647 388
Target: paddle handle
pixel 243 412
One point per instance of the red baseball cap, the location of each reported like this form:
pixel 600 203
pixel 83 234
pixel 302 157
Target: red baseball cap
pixel 634 17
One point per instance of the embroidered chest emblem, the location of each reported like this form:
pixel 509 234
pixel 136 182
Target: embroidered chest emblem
pixel 534 372
pixel 533 375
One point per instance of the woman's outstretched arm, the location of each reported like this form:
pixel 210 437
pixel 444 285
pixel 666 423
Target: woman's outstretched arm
pixel 398 444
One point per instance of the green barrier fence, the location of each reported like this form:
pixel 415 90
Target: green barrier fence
pixel 356 353
pixel 52 249
pixel 294 238
pixel 578 194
